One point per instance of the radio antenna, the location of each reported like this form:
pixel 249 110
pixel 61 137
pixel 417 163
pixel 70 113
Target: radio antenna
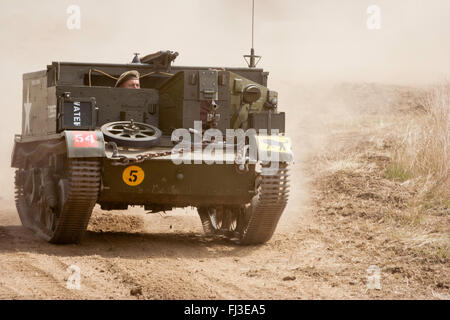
pixel 253 21
pixel 251 59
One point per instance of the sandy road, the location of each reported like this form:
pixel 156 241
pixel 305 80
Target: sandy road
pixel 163 260
pixel 167 257
pixel 330 233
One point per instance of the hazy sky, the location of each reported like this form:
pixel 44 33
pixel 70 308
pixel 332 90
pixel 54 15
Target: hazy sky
pixel 300 41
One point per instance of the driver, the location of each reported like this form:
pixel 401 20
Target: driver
pixel 129 79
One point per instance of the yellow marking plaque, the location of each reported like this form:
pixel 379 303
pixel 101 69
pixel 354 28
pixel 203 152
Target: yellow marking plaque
pixel 133 176
pixel 275 143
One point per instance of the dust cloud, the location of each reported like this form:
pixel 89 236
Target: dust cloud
pixel 302 43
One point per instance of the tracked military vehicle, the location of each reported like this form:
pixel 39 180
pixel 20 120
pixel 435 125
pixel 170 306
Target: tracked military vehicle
pixel 86 142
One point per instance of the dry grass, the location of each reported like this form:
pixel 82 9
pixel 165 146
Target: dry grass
pixel 382 183
pixel 422 153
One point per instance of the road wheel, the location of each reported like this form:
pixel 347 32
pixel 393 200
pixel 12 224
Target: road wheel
pixel 219 220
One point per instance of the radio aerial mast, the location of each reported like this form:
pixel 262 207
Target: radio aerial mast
pixel 252 59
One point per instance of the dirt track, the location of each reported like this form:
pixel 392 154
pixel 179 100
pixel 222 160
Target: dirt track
pixel 331 232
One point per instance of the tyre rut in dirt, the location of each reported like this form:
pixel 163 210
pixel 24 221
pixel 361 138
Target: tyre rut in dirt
pixel 266 207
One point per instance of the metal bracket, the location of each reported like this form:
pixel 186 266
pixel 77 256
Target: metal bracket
pixel 208 85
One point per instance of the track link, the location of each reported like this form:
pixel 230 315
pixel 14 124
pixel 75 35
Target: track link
pixel 77 192
pixel 80 195
pixel 267 206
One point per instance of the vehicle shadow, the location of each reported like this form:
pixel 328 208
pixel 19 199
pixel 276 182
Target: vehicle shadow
pixel 17 239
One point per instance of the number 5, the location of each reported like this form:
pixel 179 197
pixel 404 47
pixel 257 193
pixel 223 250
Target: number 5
pixel 133 175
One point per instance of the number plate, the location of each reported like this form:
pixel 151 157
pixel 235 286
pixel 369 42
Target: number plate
pixel 85 139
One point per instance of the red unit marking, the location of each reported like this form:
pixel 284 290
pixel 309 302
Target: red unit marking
pixel 85 139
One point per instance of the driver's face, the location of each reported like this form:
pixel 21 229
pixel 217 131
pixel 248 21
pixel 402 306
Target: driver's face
pixel 131 84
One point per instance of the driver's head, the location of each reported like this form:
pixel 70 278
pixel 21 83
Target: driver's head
pixel 129 79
